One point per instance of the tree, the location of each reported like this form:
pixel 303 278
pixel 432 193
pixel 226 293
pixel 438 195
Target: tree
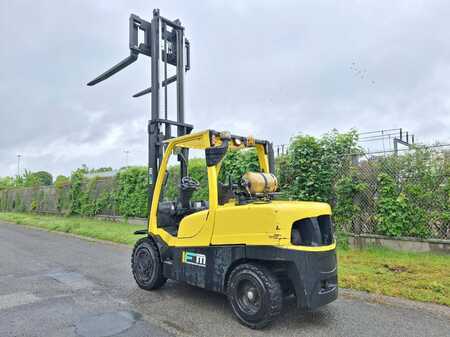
pixel 28 179
pixel 61 181
pixel 42 178
pixel 6 182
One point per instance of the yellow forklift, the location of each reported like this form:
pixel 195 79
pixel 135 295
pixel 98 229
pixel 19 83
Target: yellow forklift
pixel 241 239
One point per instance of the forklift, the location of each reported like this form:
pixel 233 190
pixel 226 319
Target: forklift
pixel 242 239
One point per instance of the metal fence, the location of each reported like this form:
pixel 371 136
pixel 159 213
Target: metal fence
pixel 402 193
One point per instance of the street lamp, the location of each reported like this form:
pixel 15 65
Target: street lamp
pixel 18 164
pixel 126 157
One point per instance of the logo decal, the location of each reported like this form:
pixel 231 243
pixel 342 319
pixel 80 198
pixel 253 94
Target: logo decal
pixel 194 258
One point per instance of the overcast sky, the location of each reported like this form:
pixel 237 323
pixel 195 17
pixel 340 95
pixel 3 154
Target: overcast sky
pixel 273 69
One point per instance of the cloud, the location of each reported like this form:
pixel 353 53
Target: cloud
pixel 258 67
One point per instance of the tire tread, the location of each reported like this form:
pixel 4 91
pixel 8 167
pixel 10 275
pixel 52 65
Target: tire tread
pixel 273 287
pixel 160 279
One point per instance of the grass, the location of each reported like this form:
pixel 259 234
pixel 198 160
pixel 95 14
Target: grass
pixel 119 232
pixel 422 277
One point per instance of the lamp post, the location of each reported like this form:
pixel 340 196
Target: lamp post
pixel 126 157
pixel 18 164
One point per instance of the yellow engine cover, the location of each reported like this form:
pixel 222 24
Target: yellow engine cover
pixel 261 223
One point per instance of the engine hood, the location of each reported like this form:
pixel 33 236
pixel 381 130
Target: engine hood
pixel 302 209
pixel 287 212
pixel 262 223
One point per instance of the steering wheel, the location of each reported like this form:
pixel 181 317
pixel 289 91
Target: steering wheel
pixel 188 182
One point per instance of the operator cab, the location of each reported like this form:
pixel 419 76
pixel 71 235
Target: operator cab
pixel 183 196
pixel 185 192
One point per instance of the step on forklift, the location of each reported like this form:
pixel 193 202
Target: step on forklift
pixel 242 240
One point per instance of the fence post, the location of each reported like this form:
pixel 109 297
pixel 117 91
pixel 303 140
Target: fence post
pixel 355 223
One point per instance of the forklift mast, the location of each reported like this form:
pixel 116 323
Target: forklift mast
pixel 164 42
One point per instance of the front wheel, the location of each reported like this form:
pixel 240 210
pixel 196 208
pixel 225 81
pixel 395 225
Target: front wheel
pixel 255 295
pixel 146 265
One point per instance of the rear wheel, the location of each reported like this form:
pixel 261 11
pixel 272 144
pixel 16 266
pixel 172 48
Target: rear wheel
pixel 255 295
pixel 146 265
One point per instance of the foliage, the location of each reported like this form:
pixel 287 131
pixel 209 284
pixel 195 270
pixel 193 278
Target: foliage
pixel 6 182
pixel 100 169
pixel 342 239
pixel 43 178
pixel 397 195
pixel 406 195
pixel 311 165
pixel 27 179
pixel 89 205
pixel 132 192
pixel 236 163
pixel 76 191
pixel 348 188
pixel 84 195
pixel 392 208
pixel 63 195
pixel 61 181
pixel 197 170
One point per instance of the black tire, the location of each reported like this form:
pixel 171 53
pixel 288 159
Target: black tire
pixel 255 295
pixel 146 265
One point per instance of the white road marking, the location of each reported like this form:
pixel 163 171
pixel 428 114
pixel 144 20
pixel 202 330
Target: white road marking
pixel 16 299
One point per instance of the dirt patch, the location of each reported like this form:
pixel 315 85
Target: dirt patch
pixel 396 269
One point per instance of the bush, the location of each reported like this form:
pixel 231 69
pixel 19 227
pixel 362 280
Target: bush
pixel 132 192
pixel 309 170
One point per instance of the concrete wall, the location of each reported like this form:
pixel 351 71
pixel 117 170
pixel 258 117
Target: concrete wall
pixel 131 221
pixel 406 244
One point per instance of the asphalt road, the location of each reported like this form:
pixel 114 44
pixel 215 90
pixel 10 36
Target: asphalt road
pixel 57 285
